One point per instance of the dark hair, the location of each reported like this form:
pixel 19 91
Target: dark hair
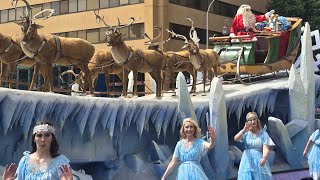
pixel 54 147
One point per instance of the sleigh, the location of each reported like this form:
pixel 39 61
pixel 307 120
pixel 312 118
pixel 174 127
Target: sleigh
pixel 274 51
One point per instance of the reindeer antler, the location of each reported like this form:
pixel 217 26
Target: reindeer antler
pixel 178 35
pixel 126 25
pixel 51 12
pixel 193 33
pixel 28 12
pixel 99 18
pixel 156 39
pixel 69 72
pixel 192 27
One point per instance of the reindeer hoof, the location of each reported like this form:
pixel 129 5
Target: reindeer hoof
pixel 193 94
pixel 203 94
pixel 158 97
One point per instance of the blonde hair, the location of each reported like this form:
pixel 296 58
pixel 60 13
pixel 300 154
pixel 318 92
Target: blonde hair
pixel 248 17
pixel 254 115
pixel 197 129
pixel 243 8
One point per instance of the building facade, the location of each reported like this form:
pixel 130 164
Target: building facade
pixel 75 18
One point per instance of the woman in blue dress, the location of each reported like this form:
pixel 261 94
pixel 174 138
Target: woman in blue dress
pixel 314 154
pixel 189 151
pixel 254 164
pixel 43 162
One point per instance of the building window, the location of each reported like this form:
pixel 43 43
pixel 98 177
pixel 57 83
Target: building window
pixel 4 16
pixel 64 7
pixel 56 7
pixel 175 2
pixel 183 3
pixel 46 6
pixel 134 1
pixel 204 5
pixel 82 5
pixel 73 6
pixel 93 4
pixel 123 2
pixel 114 3
pixel 218 7
pixel 19 13
pixel 102 35
pixel 125 33
pixel 104 3
pixel 82 34
pixel 184 30
pixel 36 9
pixel 12 15
pixel 195 4
pixel 73 34
pixel 136 31
pixel 93 36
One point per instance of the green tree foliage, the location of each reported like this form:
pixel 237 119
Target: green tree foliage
pixel 308 10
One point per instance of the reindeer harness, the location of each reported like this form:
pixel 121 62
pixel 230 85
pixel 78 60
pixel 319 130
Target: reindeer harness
pixel 12 43
pixel 57 49
pixel 9 47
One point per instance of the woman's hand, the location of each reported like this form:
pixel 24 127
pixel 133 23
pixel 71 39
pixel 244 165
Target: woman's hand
pixel 9 172
pixel 66 172
pixel 247 126
pixel 304 153
pixel 262 161
pixel 212 133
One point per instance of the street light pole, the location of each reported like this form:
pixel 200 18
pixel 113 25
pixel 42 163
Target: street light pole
pixel 207 45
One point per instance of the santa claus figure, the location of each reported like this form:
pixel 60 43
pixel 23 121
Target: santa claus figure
pixel 243 23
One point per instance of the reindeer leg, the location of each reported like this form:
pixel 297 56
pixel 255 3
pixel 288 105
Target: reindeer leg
pixel 43 72
pixel 172 80
pixel 194 82
pixel 35 76
pixel 11 71
pixel 87 78
pixel 124 82
pixel 106 78
pixel 204 79
pixel 49 70
pixel 1 72
pixel 135 82
pixel 155 74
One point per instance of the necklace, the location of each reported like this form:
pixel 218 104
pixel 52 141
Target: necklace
pixel 188 145
pixel 37 167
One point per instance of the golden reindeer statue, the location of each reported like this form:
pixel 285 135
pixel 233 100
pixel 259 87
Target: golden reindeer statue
pixel 174 61
pixel 48 49
pixel 11 55
pixel 102 61
pixel 202 60
pixel 131 58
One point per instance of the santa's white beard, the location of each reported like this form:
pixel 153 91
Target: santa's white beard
pixel 249 20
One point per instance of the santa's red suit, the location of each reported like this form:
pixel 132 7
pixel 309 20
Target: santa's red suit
pixel 237 26
pixel 244 21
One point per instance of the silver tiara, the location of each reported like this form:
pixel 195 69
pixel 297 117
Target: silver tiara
pixel 43 128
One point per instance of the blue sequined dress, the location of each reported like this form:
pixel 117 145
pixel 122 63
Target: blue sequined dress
pixel 249 168
pixel 30 171
pixel 190 167
pixel 314 154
